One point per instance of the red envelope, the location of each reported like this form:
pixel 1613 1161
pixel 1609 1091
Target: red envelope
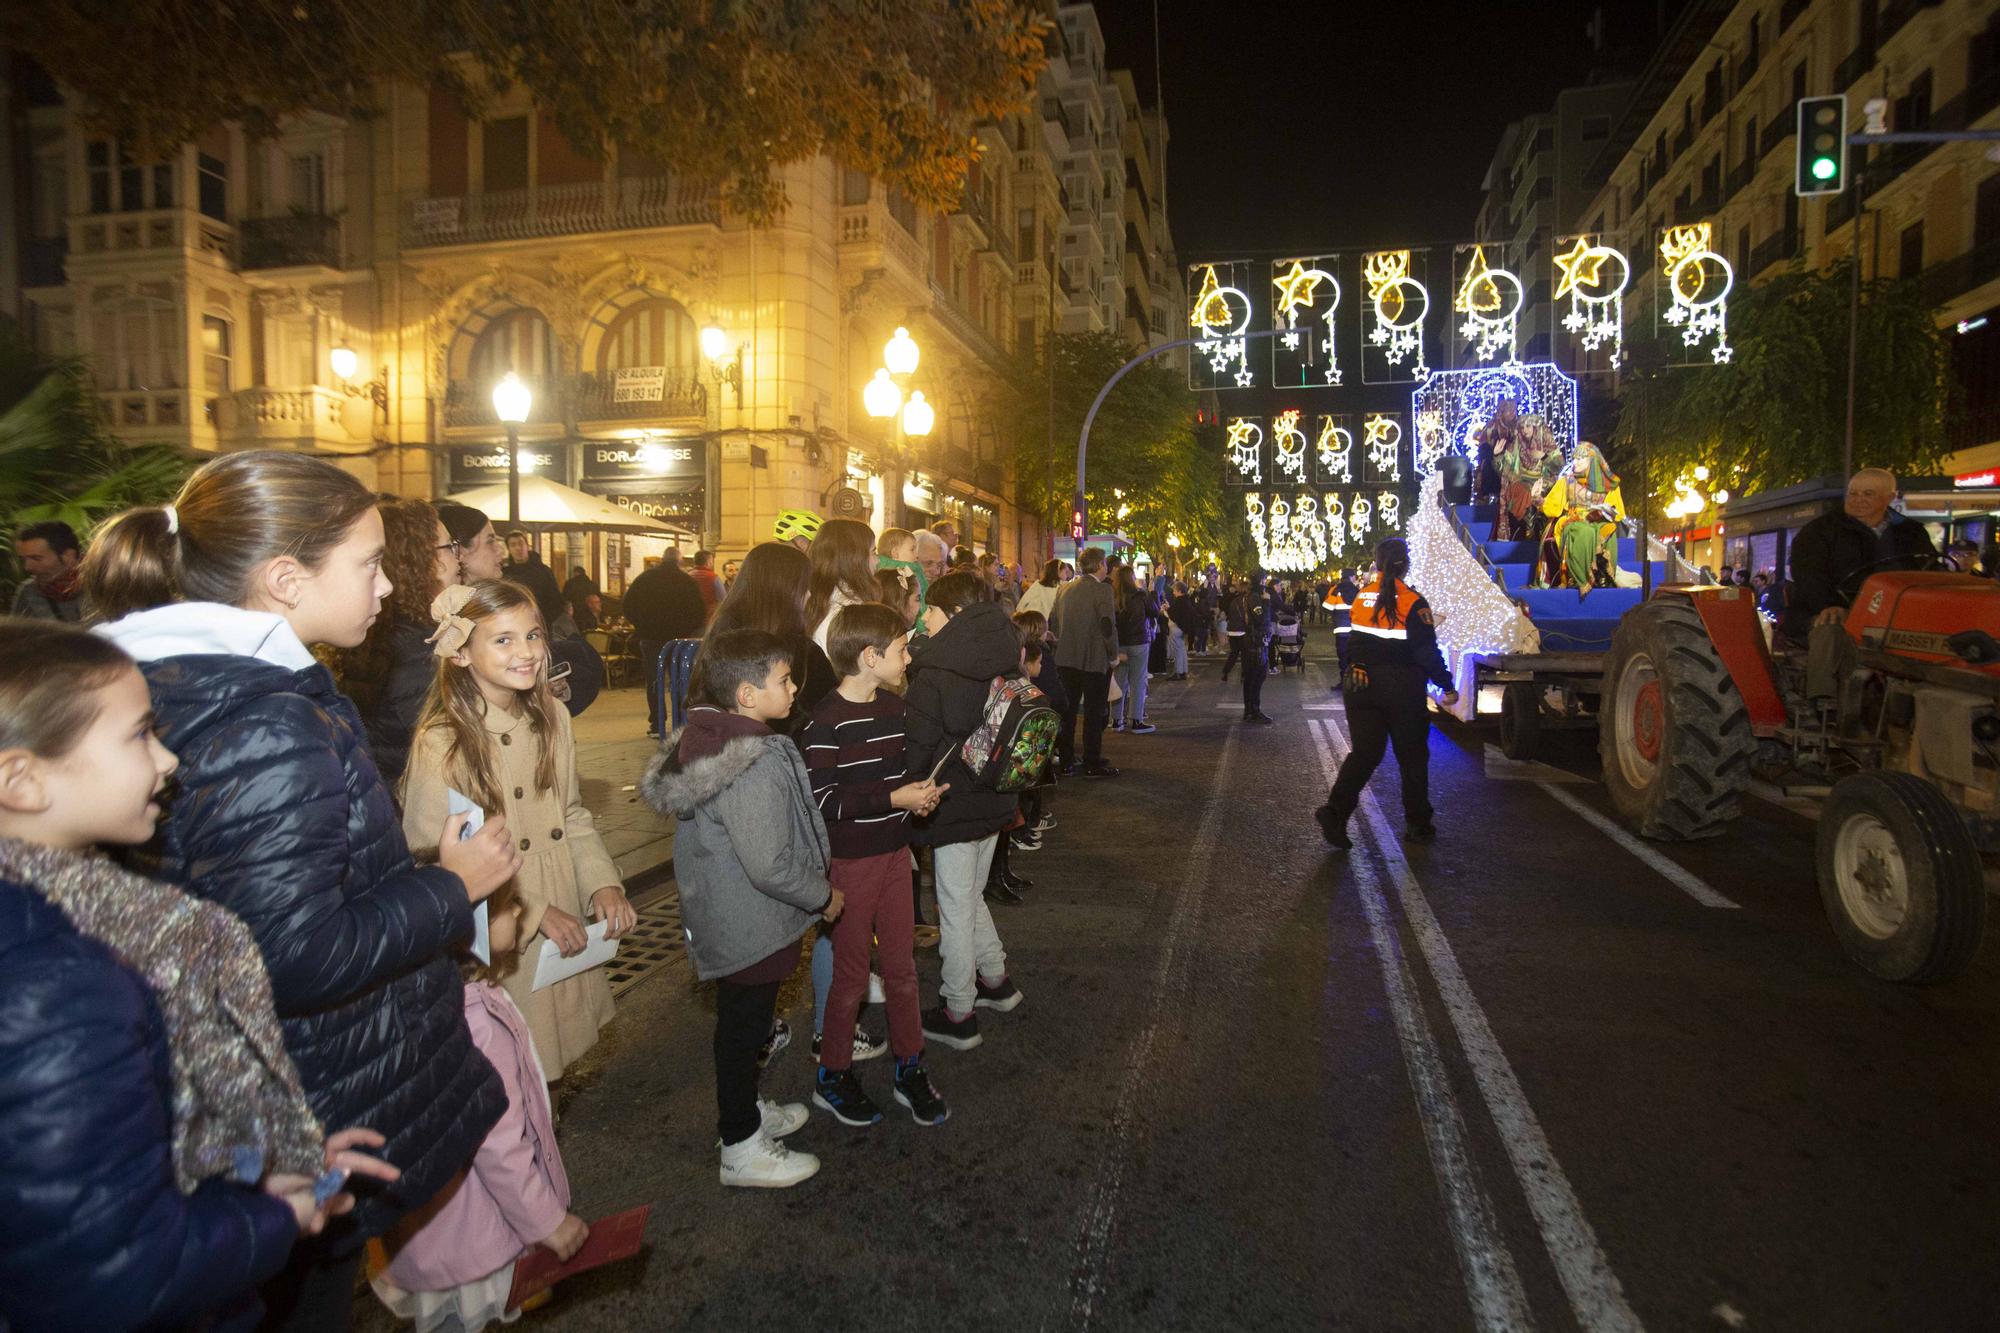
pixel 611 1239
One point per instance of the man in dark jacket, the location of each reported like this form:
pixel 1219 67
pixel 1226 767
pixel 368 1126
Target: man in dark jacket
pixel 1259 613
pixel 524 566
pixel 1832 554
pixel 1085 625
pixel 663 604
pixel 52 557
pixel 950 677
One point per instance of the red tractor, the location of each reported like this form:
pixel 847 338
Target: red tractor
pixel 1899 723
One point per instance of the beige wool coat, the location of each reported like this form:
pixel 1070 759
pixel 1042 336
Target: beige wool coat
pixel 564 863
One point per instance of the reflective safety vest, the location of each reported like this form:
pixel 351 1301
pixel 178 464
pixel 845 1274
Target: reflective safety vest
pixel 1337 607
pixel 1368 616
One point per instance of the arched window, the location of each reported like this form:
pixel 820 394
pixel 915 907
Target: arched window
pixel 652 332
pixel 518 341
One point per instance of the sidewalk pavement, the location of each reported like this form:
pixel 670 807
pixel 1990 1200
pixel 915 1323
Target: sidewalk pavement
pixel 612 751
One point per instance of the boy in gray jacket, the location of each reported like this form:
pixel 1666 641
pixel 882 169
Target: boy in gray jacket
pixel 750 853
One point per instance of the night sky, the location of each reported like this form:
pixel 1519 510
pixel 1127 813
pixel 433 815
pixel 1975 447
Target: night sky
pixel 1319 125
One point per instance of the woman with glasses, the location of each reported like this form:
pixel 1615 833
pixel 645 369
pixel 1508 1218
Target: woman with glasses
pixel 390 673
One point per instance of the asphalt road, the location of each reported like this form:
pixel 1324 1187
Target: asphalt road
pixel 1521 1078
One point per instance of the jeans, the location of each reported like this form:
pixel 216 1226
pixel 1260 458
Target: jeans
pixel 1177 650
pixel 873 887
pixel 966 937
pixel 649 662
pixel 1390 716
pixel 1087 692
pixel 742 1025
pixel 1132 680
pixel 822 975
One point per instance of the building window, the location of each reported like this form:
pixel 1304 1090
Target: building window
pixel 214 187
pixel 305 175
pixel 518 341
pixel 1545 139
pixel 1595 128
pixel 1798 80
pixel 1913 109
pixel 137 345
pixel 118 184
pixel 1756 36
pixel 215 355
pixel 1910 250
pixel 1750 144
pixel 654 332
pixel 853 187
pixel 1743 254
pixel 1986 212
pixel 504 153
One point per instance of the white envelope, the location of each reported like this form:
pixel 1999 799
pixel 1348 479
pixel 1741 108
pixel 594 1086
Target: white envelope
pixel 457 803
pixel 552 967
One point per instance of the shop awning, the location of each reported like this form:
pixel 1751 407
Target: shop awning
pixel 549 504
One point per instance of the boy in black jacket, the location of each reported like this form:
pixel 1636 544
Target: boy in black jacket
pixel 949 680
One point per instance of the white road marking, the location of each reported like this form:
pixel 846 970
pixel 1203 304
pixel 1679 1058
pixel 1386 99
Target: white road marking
pixel 1166 999
pixel 1674 874
pixel 1595 1295
pixel 1491 1282
pixel 1500 768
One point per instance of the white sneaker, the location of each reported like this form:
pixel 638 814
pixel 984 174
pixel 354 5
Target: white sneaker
pixel 876 995
pixel 779 1121
pixel 761 1162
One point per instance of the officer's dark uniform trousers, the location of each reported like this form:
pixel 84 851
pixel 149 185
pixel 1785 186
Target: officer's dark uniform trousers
pixel 1389 659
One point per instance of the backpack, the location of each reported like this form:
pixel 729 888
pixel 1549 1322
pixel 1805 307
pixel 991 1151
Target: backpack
pixel 1016 734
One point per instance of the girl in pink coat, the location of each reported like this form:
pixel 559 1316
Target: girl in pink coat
pixel 452 1263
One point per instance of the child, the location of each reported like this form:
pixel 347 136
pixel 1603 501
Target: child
pixel 898 590
pixel 949 681
pixel 157 1155
pixel 857 761
pixel 453 1262
pixel 492 732
pixel 280 816
pixel 1040 663
pixel 750 852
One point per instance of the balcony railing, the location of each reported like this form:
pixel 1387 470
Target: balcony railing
pixel 163 229
pixel 1956 276
pixel 561 210
pixel 471 404
pixel 873 225
pixel 271 415
pixel 596 397
pixel 42 261
pixel 292 241
pixel 135 409
pixel 1738 178
pixel 1773 249
pixel 1781 127
pixel 1788 13
pixel 1889 161
pixel 1895 15
pixel 1849 71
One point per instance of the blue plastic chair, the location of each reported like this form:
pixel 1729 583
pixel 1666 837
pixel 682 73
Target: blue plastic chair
pixel 676 665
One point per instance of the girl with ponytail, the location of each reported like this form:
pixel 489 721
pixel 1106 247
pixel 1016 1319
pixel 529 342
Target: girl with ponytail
pixel 279 815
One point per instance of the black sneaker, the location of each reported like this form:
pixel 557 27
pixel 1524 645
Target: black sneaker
pixel 1002 997
pixel 961 1035
pixel 838 1091
pixel 996 891
pixel 1334 833
pixel 1100 771
pixel 1420 833
pixel 914 1090
pixel 1259 718
pixel 1143 728
pixel 865 1046
pixel 781 1037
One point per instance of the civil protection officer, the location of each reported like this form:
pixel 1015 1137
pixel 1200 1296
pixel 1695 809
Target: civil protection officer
pixel 1339 607
pixel 1392 650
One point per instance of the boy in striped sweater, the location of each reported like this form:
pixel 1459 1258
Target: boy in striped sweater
pixel 858 765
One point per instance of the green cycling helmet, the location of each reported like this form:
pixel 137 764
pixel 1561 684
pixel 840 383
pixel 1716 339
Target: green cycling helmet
pixel 796 523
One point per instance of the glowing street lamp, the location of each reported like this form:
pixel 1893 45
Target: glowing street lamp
pixel 512 400
pixel 344 362
pixel 918 416
pixel 882 398
pixel 900 354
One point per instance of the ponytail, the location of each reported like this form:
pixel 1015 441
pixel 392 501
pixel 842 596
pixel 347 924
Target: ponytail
pixel 234 515
pixel 1392 559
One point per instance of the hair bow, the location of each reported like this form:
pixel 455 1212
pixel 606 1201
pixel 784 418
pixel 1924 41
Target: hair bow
pixel 453 629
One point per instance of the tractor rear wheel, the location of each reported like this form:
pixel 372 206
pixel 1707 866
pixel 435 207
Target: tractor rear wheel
pixel 1521 721
pixel 1673 731
pixel 1900 878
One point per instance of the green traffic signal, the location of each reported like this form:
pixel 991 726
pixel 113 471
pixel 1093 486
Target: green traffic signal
pixel 1824 168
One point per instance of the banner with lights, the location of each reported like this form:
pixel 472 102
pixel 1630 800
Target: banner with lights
pixel 1452 406
pixel 1397 306
pixel 1696 282
pixel 1219 314
pixel 1487 303
pixel 1243 453
pixel 1591 279
pixel 1333 451
pixel 1305 308
pixel 1382 438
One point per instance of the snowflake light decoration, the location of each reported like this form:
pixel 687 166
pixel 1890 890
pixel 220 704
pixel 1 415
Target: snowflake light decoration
pixel 1218 315
pixel 1399 303
pixel 1594 277
pixel 1305 293
pixel 1290 443
pixel 1700 281
pixel 1334 451
pixel 1490 299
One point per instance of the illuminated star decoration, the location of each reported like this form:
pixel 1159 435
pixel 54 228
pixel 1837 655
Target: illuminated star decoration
pixel 1700 280
pixel 1388 510
pixel 1291 444
pixel 1400 303
pixel 1298 287
pixel 1596 302
pixel 1382 437
pixel 1490 299
pixel 1246 450
pixel 1335 447
pixel 1218 329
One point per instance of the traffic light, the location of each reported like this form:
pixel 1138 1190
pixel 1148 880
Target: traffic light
pixel 1822 164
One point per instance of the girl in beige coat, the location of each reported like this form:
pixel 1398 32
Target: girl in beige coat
pixel 492 731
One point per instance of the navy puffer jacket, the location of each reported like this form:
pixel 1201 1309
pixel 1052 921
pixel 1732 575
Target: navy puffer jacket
pixel 279 816
pixel 94 1233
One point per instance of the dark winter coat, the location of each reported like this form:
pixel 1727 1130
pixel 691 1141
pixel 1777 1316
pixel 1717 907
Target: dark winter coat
pixel 94 1232
pixel 1832 549
pixel 950 677
pixel 540 580
pixel 664 604
pixel 391 708
pixel 280 816
pixel 1135 620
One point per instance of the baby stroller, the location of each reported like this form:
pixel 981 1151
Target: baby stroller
pixel 1288 643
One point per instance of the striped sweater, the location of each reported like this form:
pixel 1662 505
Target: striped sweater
pixel 855 756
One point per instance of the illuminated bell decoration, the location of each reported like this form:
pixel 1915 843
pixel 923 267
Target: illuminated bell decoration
pixel 1218 327
pixel 881 397
pixel 918 416
pixel 1594 277
pixel 900 353
pixel 1490 299
pixel 1400 304
pixel 512 399
pixel 1700 281
pixel 1291 445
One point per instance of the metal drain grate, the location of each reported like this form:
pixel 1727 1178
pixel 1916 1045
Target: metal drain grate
pixel 649 946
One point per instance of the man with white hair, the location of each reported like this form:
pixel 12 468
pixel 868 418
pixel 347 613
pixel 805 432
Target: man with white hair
pixel 932 554
pixel 1834 553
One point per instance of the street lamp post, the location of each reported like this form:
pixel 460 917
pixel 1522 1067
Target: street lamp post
pixel 512 400
pixel 904 419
